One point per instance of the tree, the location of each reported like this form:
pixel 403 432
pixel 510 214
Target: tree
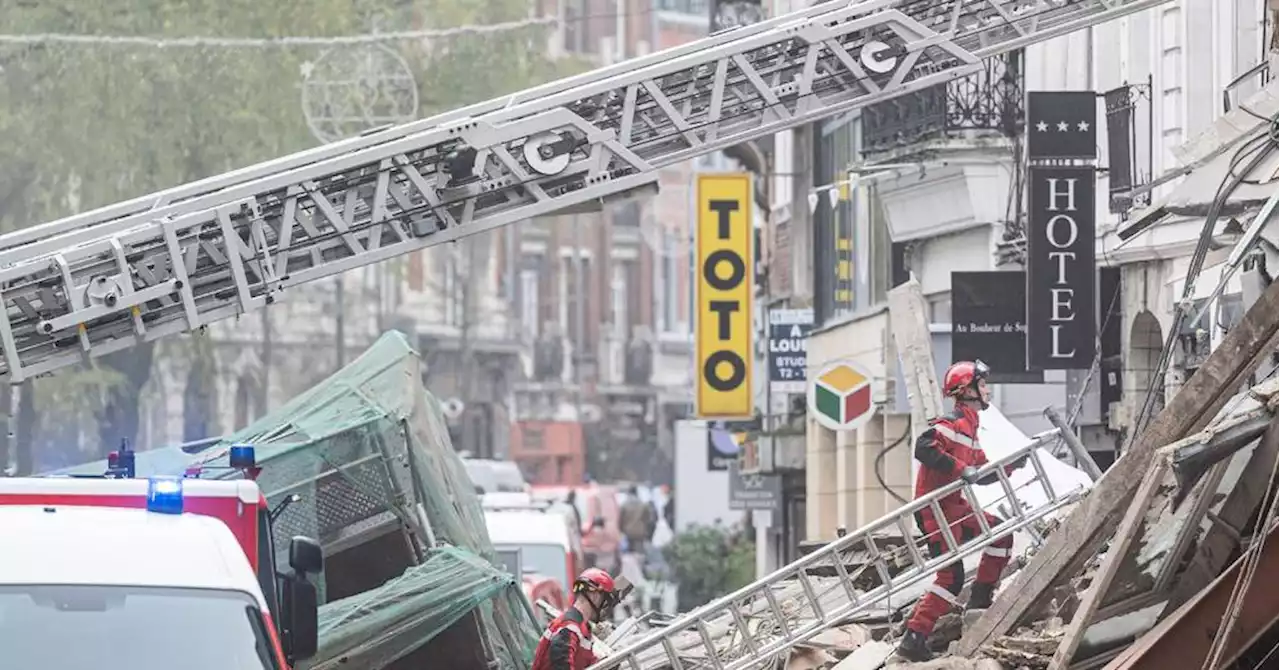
pixel 709 562
pixel 87 125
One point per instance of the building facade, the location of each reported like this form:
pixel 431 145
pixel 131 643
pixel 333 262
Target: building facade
pixel 566 330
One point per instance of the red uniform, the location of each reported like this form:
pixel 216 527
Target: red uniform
pixel 945 450
pixel 566 644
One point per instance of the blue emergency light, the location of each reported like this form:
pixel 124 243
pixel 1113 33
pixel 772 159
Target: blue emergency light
pixel 241 457
pixel 164 495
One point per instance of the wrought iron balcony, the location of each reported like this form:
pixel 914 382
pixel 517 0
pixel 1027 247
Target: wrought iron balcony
pixel 990 99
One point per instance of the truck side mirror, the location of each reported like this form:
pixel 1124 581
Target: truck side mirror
pixel 302 617
pixel 305 556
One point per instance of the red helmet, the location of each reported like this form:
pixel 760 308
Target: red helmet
pixel 963 375
pixel 593 579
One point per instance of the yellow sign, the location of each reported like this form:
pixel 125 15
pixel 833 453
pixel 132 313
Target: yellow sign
pixel 725 284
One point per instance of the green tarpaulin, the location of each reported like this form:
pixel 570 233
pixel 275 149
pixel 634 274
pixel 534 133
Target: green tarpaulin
pixel 362 449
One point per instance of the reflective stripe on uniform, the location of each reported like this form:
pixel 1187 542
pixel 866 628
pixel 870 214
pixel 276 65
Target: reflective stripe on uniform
pixel 959 438
pixel 998 552
pixel 583 640
pixel 943 593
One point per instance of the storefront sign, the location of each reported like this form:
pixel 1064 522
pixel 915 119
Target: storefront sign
pixel 754 492
pixel 840 396
pixel 1060 268
pixel 989 323
pixel 724 444
pixel 1062 124
pixel 788 349
pixel 724 285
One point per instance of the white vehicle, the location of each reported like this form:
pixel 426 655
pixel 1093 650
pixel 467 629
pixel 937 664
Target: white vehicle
pixel 544 541
pixel 94 588
pixel 493 476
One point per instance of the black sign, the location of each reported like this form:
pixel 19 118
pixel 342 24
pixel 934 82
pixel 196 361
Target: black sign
pixel 989 323
pixel 788 349
pixel 754 492
pixel 724 442
pixel 1062 124
pixel 728 14
pixel 1060 268
pixel 1119 106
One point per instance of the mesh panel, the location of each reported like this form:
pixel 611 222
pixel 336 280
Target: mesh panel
pixel 365 442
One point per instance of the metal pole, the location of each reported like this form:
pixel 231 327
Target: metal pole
pixel 579 319
pixel 620 30
pixel 460 270
pixel 1082 457
pixel 340 330
pixel 264 402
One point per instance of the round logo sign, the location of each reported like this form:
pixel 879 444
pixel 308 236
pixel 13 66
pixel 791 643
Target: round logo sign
pixel 840 396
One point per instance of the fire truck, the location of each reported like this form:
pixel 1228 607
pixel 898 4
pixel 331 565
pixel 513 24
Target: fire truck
pixel 238 505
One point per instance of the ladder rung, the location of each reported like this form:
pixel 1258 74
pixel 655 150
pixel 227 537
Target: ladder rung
pixel 944 528
pixel 917 560
pixel 708 643
pixel 846 581
pixel 812 595
pixel 777 611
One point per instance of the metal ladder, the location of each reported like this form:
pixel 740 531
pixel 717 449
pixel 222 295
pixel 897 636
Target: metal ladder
pixel 764 619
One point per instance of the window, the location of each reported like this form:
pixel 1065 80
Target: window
pixel 509 559
pixel 684 6
pixel 206 629
pixel 833 230
pixel 627 215
pixel 574 26
pixel 670 267
pixel 530 299
pixel 451 288
pixel 620 287
pixel 939 307
pixel 576 309
pixel 267 562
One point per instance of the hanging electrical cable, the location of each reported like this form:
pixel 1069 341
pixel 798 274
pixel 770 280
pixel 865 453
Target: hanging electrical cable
pixel 879 465
pixel 1254 150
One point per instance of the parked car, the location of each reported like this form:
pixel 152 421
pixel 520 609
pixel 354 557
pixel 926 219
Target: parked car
pixel 493 476
pixel 543 541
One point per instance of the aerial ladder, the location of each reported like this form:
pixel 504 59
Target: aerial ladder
pixel 178 260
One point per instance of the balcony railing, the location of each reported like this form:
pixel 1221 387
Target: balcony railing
pixel 990 99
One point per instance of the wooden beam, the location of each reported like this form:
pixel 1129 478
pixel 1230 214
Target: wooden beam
pixel 909 321
pixel 1224 534
pixel 1085 529
pixel 1129 530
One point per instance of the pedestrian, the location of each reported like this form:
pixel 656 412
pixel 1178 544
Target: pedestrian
pixel 948 451
pixel 566 644
pixel 669 510
pixel 634 519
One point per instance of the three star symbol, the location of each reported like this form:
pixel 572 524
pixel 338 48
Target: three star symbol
pixel 1062 126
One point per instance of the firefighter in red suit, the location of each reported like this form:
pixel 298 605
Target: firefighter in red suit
pixel 948 451
pixel 566 644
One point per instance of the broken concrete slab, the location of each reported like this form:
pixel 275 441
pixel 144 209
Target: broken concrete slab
pixel 870 656
pixel 949 663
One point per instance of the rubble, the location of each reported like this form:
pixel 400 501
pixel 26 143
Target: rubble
pixel 948 663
